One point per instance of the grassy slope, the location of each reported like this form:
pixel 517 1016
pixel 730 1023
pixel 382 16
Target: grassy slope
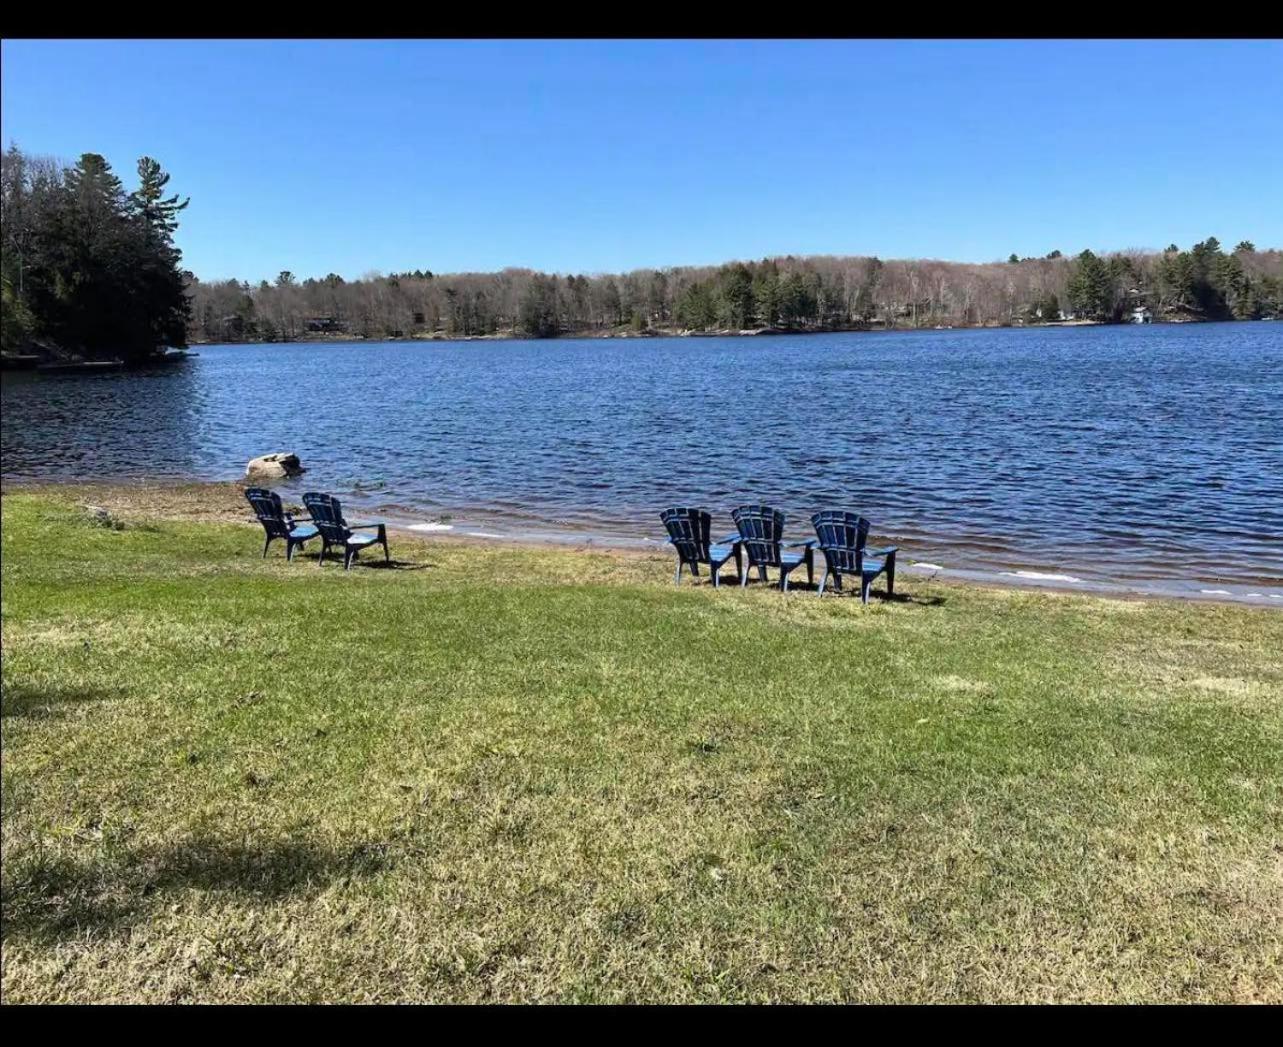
pixel 513 775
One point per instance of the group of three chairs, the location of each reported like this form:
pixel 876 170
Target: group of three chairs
pixel 759 542
pixel 327 524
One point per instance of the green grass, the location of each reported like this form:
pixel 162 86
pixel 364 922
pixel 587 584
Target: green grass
pixel 510 775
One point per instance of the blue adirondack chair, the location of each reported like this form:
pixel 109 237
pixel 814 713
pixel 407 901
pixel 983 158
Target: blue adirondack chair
pixel 761 531
pixel 327 514
pixel 841 538
pixel 688 534
pixel 276 522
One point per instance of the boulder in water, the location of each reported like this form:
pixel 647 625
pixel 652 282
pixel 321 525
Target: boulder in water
pixel 275 466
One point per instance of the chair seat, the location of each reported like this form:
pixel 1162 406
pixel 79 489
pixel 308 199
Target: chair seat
pixel 721 552
pixel 303 531
pixel 363 539
pixel 870 566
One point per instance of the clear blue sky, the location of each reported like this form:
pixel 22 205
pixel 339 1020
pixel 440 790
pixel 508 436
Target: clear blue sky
pixel 590 156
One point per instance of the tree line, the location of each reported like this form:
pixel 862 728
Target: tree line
pixel 87 267
pixel 91 268
pixel 785 293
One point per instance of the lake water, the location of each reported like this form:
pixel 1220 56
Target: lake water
pixel 1147 456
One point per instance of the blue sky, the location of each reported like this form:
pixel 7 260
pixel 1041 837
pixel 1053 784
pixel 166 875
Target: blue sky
pixel 591 156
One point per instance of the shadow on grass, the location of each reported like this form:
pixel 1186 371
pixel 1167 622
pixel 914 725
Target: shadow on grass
pixel 379 564
pixel 846 592
pixel 67 898
pixel 39 702
pixel 393 565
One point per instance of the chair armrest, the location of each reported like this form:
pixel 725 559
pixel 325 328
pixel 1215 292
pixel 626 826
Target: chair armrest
pixel 797 545
pixel 890 550
pixel 730 539
pixel 363 523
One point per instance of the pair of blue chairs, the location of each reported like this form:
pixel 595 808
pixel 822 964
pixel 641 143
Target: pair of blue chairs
pixel 327 524
pixel 759 542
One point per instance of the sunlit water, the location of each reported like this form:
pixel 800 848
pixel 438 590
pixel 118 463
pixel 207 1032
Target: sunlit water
pixel 1145 456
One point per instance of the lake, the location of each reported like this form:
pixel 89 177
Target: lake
pixel 1145 456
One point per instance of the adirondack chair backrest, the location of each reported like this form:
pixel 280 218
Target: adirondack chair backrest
pixel 842 537
pixel 267 507
pixel 762 529
pixel 327 514
pixel 689 530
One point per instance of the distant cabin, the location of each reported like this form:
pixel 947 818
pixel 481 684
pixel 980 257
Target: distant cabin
pixel 325 324
pixel 1142 315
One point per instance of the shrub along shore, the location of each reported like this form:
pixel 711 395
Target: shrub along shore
pixel 492 773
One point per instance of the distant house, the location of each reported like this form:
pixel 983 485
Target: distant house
pixel 324 324
pixel 1136 308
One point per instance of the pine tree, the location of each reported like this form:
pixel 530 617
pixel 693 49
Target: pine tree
pixel 735 307
pixel 158 213
pixel 1090 288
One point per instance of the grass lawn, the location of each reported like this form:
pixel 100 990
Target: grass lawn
pixel 501 774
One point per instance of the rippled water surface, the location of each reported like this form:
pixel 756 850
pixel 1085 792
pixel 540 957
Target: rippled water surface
pixel 1136 452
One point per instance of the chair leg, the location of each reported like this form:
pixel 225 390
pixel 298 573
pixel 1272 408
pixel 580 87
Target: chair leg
pixel 824 579
pixel 739 560
pixel 289 551
pixel 713 569
pixel 383 537
pixel 761 572
pixel 837 581
pixel 265 545
pixel 784 580
pixel 677 578
pixel 744 574
pixel 325 548
pixel 810 566
pixel 349 554
pixel 891 575
pixel 865 583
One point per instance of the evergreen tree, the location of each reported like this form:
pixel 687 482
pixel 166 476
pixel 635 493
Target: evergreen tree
pixel 1090 288
pixel 88 267
pixel 766 294
pixel 695 307
pixel 735 296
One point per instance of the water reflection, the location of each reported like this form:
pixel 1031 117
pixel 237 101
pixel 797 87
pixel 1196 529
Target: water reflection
pixel 110 424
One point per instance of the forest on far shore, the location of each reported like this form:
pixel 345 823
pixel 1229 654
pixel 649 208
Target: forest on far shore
pixel 819 293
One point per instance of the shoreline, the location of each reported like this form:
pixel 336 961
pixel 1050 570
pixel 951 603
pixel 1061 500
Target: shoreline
pixel 213 501
pixel 320 338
